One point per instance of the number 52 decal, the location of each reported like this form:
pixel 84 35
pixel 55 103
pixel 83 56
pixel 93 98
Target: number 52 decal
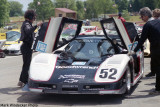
pixel 108 73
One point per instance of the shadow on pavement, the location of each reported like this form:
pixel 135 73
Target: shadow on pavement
pixel 68 100
pixel 9 90
pixel 143 96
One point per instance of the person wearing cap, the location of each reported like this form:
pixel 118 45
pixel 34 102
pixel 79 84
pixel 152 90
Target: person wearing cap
pixel 120 17
pixel 27 36
pixel 87 23
pixel 151 31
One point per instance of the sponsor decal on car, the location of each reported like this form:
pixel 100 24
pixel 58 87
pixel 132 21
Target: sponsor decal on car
pixel 70 81
pixel 77 67
pixel 78 63
pixel 71 76
pixel 41 46
pixel 108 73
pixel 70 86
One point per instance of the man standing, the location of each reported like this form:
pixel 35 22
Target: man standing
pixel 120 17
pixel 146 15
pixel 151 30
pixel 27 36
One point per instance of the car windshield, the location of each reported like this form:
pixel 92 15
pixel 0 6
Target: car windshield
pixel 13 36
pixel 69 32
pixel 89 48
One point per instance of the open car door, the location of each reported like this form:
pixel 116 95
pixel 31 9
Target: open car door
pixel 125 33
pixel 56 33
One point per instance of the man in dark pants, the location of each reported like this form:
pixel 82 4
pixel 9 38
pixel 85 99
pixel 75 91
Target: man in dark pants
pixel 146 15
pixel 27 36
pixel 151 30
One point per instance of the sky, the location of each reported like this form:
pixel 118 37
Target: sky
pixel 25 3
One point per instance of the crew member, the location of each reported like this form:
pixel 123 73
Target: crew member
pixel 151 31
pixel 27 36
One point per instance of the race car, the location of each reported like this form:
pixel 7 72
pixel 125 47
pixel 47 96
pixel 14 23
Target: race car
pixel 89 30
pixel 86 64
pixel 12 45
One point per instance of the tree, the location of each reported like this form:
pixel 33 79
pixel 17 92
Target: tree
pixel 137 5
pixel 44 9
pixel 80 9
pixel 15 9
pixel 96 7
pixel 70 4
pixel 126 15
pixel 4 12
pixel 122 5
pixel 151 4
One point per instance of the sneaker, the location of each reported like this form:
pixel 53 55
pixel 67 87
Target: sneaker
pixel 21 84
pixel 154 92
pixel 150 74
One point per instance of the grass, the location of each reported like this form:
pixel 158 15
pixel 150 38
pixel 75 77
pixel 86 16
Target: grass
pixel 18 22
pixel 135 19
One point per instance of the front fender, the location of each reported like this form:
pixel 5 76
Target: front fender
pixel 112 69
pixel 42 67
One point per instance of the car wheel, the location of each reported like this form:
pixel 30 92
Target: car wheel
pixel 128 80
pixel 3 55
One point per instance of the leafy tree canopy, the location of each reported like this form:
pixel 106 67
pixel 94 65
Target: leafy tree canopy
pixel 44 9
pixel 4 12
pixel 15 9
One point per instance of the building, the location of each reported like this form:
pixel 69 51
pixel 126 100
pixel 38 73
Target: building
pixel 64 12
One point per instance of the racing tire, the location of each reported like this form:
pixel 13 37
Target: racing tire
pixel 128 80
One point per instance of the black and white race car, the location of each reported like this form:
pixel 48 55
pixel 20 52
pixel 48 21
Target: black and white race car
pixel 86 64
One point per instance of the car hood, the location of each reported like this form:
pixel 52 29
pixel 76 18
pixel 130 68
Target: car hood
pixel 71 71
pixel 71 74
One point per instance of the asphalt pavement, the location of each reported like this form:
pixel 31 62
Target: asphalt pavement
pixel 13 96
